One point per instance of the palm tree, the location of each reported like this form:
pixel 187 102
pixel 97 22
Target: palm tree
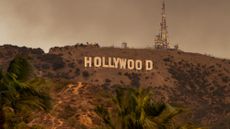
pixel 136 109
pixel 20 92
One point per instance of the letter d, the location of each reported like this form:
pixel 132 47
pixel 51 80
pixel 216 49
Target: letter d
pixel 149 64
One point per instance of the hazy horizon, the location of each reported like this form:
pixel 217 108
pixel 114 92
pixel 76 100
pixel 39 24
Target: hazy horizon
pixel 197 26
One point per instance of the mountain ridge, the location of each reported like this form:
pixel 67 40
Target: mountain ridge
pixel 189 79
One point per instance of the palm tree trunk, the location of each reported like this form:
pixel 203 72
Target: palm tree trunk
pixel 2 119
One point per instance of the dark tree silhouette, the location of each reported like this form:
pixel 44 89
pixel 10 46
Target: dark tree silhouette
pixel 20 92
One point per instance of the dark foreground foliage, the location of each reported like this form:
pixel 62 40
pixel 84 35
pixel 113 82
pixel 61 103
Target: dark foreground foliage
pixel 136 109
pixel 20 94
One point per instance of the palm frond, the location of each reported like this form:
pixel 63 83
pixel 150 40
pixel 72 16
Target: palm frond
pixel 20 68
pixel 104 114
pixel 20 92
pixel 136 109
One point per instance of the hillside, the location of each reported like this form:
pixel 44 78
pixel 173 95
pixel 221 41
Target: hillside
pixel 197 81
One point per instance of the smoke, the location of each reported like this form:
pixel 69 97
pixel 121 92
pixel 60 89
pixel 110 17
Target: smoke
pixel 197 26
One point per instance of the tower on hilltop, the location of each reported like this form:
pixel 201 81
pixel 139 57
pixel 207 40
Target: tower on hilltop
pixel 161 40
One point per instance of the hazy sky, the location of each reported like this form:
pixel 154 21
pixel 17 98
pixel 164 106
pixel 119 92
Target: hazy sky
pixel 196 25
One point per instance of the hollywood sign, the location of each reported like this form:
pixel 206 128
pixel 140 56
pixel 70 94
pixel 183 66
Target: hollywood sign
pixel 118 63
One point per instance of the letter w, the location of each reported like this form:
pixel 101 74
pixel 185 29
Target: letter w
pixel 122 63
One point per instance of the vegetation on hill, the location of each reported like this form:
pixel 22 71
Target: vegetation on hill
pixel 196 81
pixel 136 109
pixel 21 93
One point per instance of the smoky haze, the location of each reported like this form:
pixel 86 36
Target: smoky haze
pixel 196 25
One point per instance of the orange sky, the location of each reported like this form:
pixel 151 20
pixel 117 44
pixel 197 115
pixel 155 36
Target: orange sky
pixel 196 25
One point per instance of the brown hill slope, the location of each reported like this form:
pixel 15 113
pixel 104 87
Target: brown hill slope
pixel 199 82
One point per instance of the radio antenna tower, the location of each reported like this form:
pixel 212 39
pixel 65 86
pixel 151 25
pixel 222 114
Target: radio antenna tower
pixel 161 40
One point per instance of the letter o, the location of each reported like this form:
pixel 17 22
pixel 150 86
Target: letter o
pixel 97 62
pixel 138 65
pixel 130 63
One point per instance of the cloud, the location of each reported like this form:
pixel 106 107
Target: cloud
pixel 196 25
